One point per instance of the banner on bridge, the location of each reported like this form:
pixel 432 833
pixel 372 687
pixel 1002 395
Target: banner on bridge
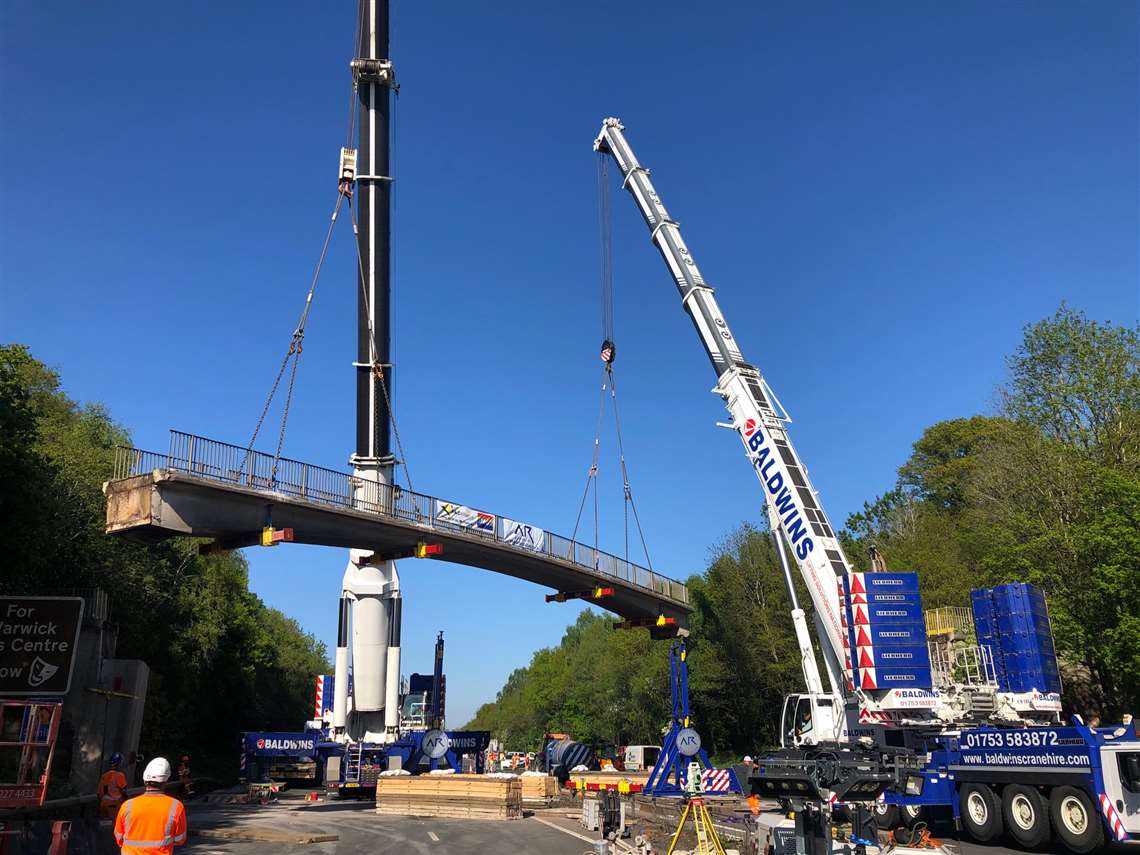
pixel 462 516
pixel 523 535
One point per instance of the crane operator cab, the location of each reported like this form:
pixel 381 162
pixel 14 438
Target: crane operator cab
pixel 808 720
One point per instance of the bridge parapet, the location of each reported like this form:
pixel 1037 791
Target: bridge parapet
pixel 209 460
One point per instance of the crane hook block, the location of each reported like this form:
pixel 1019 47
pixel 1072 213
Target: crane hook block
pixel 609 352
pixel 347 164
pixel 347 171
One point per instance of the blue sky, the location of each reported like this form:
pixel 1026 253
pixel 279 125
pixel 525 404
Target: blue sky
pixel 883 193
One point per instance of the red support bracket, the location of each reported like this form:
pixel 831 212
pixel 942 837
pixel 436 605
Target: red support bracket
pixel 589 594
pixel 271 536
pixel 420 550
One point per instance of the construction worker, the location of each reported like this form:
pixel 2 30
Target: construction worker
pixel 110 789
pixel 751 768
pixel 153 823
pixel 184 777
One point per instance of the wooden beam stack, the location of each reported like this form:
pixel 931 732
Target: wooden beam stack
pixel 462 796
pixel 538 789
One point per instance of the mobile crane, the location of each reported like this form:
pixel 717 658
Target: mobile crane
pixel 987 747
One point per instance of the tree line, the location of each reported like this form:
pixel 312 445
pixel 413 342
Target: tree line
pixel 1044 490
pixel 221 661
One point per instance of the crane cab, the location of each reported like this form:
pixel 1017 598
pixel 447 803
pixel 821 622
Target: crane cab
pixel 810 719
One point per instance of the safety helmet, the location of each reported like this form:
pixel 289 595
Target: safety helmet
pixel 116 759
pixel 157 771
pixel 747 758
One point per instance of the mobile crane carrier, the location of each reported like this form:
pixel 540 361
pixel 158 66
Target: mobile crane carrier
pixel 990 748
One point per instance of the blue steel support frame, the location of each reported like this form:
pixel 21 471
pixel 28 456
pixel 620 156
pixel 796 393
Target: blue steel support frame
pixel 665 779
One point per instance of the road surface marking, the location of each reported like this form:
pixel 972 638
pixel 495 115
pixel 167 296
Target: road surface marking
pixel 433 836
pixel 564 830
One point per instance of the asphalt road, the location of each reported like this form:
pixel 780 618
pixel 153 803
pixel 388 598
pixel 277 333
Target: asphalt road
pixel 360 830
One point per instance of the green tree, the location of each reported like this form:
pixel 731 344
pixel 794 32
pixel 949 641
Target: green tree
pixel 943 459
pixel 606 687
pixel 1078 381
pixel 1044 513
pixel 221 661
pixel 1047 492
pixel 744 653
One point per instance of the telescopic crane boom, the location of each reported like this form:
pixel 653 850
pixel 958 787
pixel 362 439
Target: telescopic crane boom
pixel 756 413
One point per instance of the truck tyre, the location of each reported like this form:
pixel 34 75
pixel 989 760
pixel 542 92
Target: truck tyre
pixel 981 812
pixel 886 816
pixel 910 814
pixel 1076 822
pixel 1026 815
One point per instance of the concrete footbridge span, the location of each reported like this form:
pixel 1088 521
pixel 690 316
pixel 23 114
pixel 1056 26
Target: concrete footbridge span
pixel 205 488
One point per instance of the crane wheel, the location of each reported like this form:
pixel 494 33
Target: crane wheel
pixel 1075 821
pixel 981 812
pixel 1026 815
pixel 886 816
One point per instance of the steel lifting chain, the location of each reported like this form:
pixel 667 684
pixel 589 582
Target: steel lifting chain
pixel 293 352
pixel 608 354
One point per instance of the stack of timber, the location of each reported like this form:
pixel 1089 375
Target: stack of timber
pixel 461 796
pixel 538 789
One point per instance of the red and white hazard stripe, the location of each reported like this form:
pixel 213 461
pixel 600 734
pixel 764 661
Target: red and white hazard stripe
pixel 318 706
pixel 716 781
pixel 1112 817
pixel 873 717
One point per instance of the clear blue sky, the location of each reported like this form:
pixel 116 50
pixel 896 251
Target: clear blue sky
pixel 884 193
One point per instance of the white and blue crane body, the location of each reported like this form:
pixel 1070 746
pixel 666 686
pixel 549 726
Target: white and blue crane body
pixel 981 721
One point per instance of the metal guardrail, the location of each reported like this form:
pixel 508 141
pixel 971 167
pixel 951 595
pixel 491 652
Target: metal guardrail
pixel 950 619
pixel 212 460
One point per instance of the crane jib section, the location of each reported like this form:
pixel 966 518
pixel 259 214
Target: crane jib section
pixel 787 489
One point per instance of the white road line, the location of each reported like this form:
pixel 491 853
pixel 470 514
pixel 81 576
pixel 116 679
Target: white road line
pixel 433 836
pixel 565 830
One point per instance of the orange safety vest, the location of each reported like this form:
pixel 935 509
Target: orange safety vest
pixel 150 824
pixel 111 785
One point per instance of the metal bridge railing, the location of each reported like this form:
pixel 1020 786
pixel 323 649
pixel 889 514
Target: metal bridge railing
pixel 231 464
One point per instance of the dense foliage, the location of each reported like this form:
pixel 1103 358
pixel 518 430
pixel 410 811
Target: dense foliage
pixel 1046 491
pixel 221 660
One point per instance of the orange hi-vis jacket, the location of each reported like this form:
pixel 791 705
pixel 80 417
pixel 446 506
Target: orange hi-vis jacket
pixel 150 824
pixel 111 785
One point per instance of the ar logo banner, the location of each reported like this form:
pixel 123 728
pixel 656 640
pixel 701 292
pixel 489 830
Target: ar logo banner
pixel 435 744
pixel 40 672
pixel 688 741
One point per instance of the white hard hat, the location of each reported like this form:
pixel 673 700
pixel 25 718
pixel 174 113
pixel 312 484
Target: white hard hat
pixel 157 771
pixel 747 758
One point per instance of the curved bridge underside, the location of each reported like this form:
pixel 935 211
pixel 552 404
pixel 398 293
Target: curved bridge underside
pixel 203 488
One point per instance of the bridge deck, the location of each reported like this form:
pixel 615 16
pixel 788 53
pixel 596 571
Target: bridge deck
pixel 205 488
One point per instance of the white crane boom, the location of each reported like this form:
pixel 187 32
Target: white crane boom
pixel 790 497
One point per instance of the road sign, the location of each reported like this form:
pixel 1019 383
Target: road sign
pixel 38 638
pixel 688 741
pixel 435 744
